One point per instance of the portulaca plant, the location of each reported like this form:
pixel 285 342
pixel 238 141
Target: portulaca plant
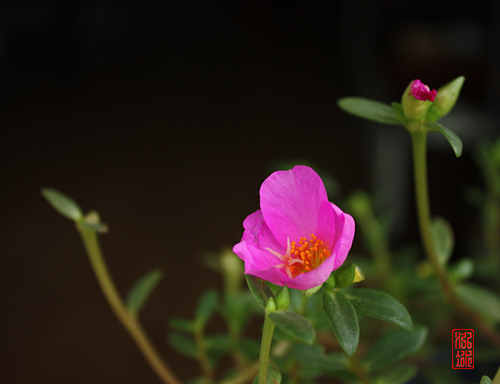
pixel 321 317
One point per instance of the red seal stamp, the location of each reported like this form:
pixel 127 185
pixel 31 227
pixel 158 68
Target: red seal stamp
pixel 462 349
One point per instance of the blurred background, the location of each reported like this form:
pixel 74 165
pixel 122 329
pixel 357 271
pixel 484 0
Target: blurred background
pixel 166 117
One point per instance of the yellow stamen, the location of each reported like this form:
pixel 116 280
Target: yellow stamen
pixel 302 257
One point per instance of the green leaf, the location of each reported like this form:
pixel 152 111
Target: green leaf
pixel 485 380
pixel 343 320
pixel 443 239
pixel 461 270
pixel 181 324
pixel 273 375
pixel 141 290
pixel 398 375
pixel 206 306
pixel 182 344
pixel 369 109
pixel 393 347
pixel 481 300
pixel 451 136
pixel 219 343
pixel 260 291
pixel 344 276
pixel 399 112
pixel 294 325
pixel 63 204
pixel 381 305
pixel 313 356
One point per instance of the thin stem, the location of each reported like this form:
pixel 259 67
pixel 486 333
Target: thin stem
pixel 419 140
pixel 358 370
pixel 265 348
pixel 202 354
pixel 131 324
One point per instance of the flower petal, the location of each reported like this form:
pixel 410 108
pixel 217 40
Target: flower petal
pixel 314 277
pixel 422 92
pixel 291 201
pixel 330 224
pixel 259 263
pixel 258 234
pixel 345 238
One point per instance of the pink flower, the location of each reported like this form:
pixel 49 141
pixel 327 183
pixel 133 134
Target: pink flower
pixel 298 237
pixel 421 91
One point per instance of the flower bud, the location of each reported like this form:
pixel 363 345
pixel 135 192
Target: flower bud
pixel 329 284
pixel 282 299
pixel 445 100
pixel 417 99
pixel 232 270
pixel 271 305
pixel 359 275
pixel 344 276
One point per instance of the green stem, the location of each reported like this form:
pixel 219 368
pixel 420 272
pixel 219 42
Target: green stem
pixel 419 140
pixel 265 348
pixel 130 322
pixel 358 370
pixel 202 354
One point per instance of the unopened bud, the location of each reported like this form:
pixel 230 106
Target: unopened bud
pixel 271 305
pixel 330 283
pixel 344 276
pixel 359 275
pixel 416 99
pixel 282 299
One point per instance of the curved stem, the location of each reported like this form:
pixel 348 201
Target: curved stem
pixel 419 140
pixel 130 322
pixel 265 348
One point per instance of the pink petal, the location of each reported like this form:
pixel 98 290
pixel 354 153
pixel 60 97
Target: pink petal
pixel 344 240
pixel 258 234
pixel 259 263
pixel 312 278
pixel 291 201
pixel 422 91
pixel 344 226
pixel 330 223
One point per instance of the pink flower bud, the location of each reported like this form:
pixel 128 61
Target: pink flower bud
pixel 421 91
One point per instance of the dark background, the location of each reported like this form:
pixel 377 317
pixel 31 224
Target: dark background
pixel 166 118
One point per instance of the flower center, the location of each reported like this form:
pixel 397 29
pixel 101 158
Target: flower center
pixel 303 256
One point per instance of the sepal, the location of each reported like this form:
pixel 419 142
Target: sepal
pixel 445 100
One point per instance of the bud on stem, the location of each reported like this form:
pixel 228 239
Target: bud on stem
pixel 416 100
